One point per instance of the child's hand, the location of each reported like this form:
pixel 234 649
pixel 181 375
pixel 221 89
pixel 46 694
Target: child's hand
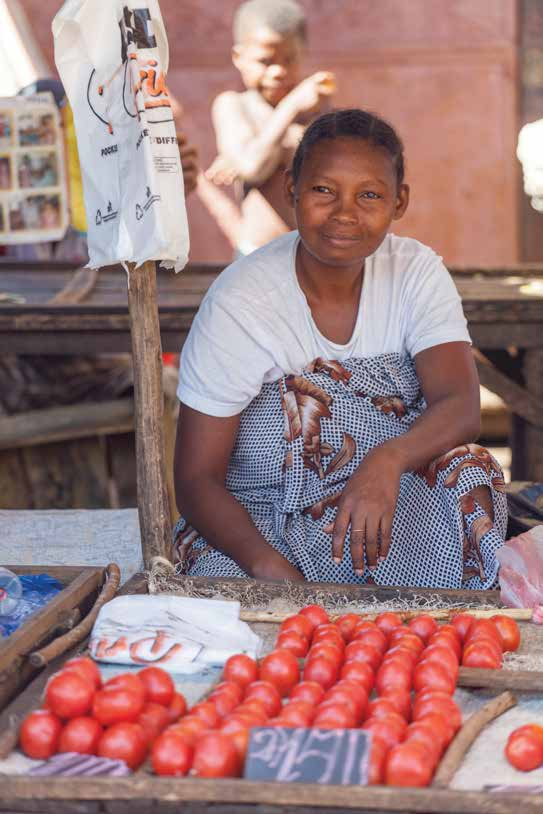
pixel 222 172
pixel 308 94
pixel 367 505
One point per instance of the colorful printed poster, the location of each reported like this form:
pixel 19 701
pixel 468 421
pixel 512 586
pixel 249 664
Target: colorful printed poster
pixel 33 196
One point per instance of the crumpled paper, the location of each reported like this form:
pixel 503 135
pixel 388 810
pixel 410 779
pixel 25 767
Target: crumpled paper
pixel 181 634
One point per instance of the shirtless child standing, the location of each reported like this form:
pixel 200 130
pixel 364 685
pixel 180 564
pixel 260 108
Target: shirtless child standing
pixel 258 130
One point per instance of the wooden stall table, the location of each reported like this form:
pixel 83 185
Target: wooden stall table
pixel 86 313
pixel 143 791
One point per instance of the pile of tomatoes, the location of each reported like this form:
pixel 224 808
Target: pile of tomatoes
pixel 120 719
pixel 393 680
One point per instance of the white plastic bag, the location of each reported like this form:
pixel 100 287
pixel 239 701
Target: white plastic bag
pixel 179 633
pixel 112 58
pixel 530 154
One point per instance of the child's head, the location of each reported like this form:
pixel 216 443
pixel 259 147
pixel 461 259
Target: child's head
pixel 269 39
pixel 347 185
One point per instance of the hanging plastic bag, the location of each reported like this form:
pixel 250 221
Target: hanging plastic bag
pixel 112 58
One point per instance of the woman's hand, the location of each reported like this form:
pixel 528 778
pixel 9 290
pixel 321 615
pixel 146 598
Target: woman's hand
pixel 367 505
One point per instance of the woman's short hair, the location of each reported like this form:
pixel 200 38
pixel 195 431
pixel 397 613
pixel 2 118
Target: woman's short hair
pixel 351 123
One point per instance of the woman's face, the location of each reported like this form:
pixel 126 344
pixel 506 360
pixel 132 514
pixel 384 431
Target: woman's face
pixel 345 200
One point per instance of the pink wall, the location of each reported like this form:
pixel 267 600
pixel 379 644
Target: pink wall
pixel 444 73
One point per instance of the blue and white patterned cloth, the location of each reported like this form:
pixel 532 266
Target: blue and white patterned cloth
pixel 298 443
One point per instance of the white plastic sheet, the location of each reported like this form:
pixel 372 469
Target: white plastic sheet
pixel 530 154
pixel 178 633
pixel 112 58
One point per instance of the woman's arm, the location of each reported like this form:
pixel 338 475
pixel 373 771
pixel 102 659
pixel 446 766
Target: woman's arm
pixel 450 385
pixel 203 447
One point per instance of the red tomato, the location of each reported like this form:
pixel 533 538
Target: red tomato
pixel 321 670
pixel 126 742
pixel 423 625
pixel 207 712
pixel 308 691
pixel 69 695
pixel 440 723
pixel 387 622
pixel 407 638
pixel 393 675
pixel 334 715
pixel 87 668
pixel 315 614
pixel 327 631
pixel 297 713
pixel 171 755
pixel 434 676
pixel 241 669
pixel 356 690
pixel 223 701
pixel 301 625
pixel 39 734
pixel 391 729
pixel 446 639
pixel 358 672
pixel 328 650
pixel 434 701
pixel 230 687
pixel 267 694
pixel 112 705
pixel 290 640
pixel 255 709
pixel 508 630
pixel 462 623
pixel 372 637
pixel 215 755
pixel 376 763
pixel 408 765
pixel 237 730
pixel 153 719
pixel 482 628
pixel 433 739
pixel 401 700
pixel 365 624
pixel 159 686
pixel 127 681
pixel 360 651
pixel 380 708
pixel 524 751
pixel 342 695
pixel 80 735
pixel 190 727
pixel 177 708
pixel 481 654
pixel 346 625
pixel 280 668
pixel 442 654
pixel 409 656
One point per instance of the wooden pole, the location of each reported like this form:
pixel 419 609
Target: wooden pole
pixel 153 507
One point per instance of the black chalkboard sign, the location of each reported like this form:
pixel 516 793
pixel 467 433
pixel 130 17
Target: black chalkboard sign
pixel 328 756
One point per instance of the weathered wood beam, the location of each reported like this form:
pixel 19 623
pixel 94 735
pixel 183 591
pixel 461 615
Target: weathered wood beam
pixel 517 398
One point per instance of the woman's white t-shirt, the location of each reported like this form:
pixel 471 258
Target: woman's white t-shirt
pixel 254 324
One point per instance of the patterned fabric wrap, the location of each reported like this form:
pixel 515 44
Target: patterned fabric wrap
pixel 298 443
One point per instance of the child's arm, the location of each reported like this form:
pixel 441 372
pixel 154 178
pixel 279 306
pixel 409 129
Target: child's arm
pixel 202 451
pixel 255 158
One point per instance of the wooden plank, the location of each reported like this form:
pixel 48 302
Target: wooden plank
pixel 150 791
pixel 14 488
pixel 516 680
pixel 64 573
pixel 66 423
pixel 517 398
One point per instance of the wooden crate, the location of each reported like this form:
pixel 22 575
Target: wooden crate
pixel 144 792
pixel 81 587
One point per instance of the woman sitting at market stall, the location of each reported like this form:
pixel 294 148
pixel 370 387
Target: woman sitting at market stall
pixel 329 398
